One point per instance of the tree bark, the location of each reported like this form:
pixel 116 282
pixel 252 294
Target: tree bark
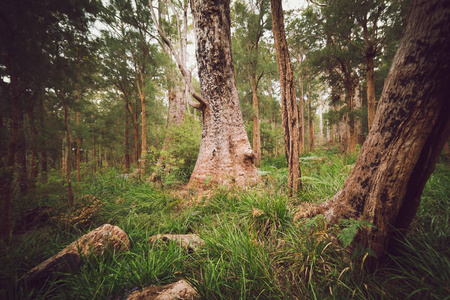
pixel 410 128
pixel 126 142
pixel 351 120
pixel 42 144
pixel 256 130
pixel 78 141
pixel 7 165
pixel 311 135
pixel 225 154
pixel 302 117
pixel 69 152
pixel 370 79
pixel 21 156
pixel 289 109
pixel 34 151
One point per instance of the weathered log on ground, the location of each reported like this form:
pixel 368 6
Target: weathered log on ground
pixel 105 238
pixel 178 290
pixel 188 241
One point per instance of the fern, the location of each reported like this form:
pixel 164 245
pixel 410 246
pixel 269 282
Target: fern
pixel 349 229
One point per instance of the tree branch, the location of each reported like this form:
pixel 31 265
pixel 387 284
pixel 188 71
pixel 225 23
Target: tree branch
pixel 202 103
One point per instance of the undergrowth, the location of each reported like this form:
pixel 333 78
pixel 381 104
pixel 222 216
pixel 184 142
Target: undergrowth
pixel 253 248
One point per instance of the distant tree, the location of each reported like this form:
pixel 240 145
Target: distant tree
pixel 289 108
pixel 251 22
pixel 30 39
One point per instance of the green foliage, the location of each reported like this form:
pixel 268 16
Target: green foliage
pixel 349 229
pixel 185 144
pixel 253 247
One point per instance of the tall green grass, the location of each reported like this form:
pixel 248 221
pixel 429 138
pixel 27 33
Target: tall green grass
pixel 253 248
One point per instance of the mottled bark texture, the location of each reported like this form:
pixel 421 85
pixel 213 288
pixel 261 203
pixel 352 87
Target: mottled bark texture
pixel 409 131
pixel 225 155
pixel 289 109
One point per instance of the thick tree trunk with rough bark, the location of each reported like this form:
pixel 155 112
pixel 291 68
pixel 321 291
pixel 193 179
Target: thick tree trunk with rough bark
pixel 225 154
pixel 289 109
pixel 409 131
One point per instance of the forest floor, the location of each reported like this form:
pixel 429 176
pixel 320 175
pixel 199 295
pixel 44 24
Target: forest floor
pixel 253 246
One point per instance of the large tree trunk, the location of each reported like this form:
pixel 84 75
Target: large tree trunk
pixel 225 154
pixel 409 131
pixel 289 109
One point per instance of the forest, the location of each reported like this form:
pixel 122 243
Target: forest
pixel 225 149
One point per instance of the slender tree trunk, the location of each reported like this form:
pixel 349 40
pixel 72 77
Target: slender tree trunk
pixel 136 143
pixel 8 164
pixel 370 79
pixel 351 121
pixel 94 156
pixel 311 134
pixel 68 161
pixel 410 129
pixel 42 144
pixel 21 157
pixel 126 142
pixel 225 154
pixel 446 151
pixel 78 141
pixel 333 133
pixel 289 108
pixel 106 161
pixel 302 116
pixel 144 124
pixel 256 130
pixel 34 151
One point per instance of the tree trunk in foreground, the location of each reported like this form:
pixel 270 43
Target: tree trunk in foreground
pixel 289 109
pixel 225 154
pixel 409 131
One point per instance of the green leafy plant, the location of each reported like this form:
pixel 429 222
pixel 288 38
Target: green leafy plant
pixel 349 228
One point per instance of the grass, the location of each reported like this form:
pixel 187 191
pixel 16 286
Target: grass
pixel 253 249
